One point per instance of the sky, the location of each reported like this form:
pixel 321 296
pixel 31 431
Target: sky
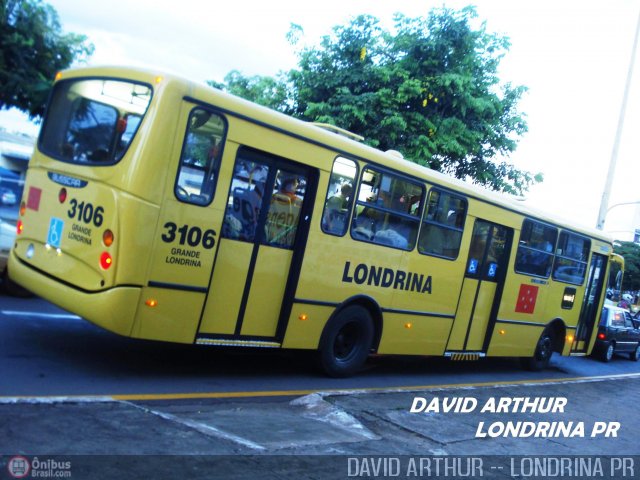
pixel 572 55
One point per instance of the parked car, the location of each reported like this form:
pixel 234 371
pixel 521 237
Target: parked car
pixel 7 237
pixel 7 197
pixel 618 332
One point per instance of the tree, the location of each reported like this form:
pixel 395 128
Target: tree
pixel 264 90
pixel 34 49
pixel 631 253
pixel 430 90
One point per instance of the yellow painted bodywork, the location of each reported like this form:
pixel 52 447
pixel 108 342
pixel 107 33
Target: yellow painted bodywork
pixel 205 295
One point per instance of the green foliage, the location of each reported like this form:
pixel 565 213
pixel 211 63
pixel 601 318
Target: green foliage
pixel 430 89
pixel 33 50
pixel 266 91
pixel 631 253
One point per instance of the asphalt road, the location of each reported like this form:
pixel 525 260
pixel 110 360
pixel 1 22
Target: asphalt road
pixel 45 351
pixel 78 402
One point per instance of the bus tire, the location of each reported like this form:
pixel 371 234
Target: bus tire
pixel 346 342
pixel 542 354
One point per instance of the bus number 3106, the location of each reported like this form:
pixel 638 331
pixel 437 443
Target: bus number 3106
pixel 86 212
pixel 192 236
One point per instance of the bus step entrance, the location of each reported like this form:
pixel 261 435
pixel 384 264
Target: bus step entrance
pixel 464 356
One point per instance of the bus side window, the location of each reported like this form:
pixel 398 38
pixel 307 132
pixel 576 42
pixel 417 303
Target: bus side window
pixel 337 207
pixel 572 253
pixel 387 210
pixel 442 225
pixel 535 249
pixel 200 158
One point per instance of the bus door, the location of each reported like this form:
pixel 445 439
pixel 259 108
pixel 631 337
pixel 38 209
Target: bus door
pixel 260 251
pixel 482 287
pixel 590 305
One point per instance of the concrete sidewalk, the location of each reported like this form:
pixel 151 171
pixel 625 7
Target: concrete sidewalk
pixel 297 431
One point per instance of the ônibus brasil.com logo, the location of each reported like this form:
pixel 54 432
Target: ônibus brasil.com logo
pixel 19 467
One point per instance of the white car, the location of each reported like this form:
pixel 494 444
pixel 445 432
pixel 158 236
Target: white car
pixel 7 237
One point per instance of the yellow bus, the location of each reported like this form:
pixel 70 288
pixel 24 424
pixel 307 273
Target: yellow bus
pixel 162 209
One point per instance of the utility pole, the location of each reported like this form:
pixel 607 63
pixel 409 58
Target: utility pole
pixel 614 154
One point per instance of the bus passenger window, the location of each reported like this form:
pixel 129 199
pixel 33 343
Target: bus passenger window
pixel 572 254
pixel 284 211
pixel 442 225
pixel 200 159
pixel 337 207
pixel 535 249
pixel 387 210
pixel 245 200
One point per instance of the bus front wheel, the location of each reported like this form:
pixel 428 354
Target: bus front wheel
pixel 542 354
pixel 346 342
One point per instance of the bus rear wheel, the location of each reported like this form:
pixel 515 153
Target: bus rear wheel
pixel 346 342
pixel 542 354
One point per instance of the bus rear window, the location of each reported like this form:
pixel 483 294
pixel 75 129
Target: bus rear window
pixel 93 121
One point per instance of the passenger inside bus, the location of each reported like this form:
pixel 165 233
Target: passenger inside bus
pixel 284 212
pixel 337 209
pixel 246 205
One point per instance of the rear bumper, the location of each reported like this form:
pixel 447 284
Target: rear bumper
pixel 113 309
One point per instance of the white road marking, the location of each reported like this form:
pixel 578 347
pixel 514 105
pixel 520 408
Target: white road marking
pixel 16 313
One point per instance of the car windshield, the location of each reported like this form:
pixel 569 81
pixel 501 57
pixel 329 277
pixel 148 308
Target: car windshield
pixel 93 121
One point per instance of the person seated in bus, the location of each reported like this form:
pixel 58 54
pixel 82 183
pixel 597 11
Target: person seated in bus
pixel 246 208
pixel 391 238
pixel 336 209
pixel 284 213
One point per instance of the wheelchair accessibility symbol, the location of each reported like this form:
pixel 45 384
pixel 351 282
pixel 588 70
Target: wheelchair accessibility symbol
pixel 55 232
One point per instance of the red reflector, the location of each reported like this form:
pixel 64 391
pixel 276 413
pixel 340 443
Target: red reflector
pixel 62 196
pixel 105 260
pixel 33 198
pixel 602 336
pixel 19 227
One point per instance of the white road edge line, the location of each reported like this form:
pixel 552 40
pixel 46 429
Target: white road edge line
pixel 16 313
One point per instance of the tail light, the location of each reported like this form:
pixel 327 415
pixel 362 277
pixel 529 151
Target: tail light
pixel 106 261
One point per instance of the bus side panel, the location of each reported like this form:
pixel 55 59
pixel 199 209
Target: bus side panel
pixel 173 317
pixel 335 269
pixel 516 341
pixel 414 335
pixel 306 323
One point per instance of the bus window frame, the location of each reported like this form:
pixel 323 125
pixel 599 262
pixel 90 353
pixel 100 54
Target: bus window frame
pixel 217 162
pixel 417 218
pixel 48 118
pixel 572 260
pixel 354 190
pixel 532 249
pixel 424 221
